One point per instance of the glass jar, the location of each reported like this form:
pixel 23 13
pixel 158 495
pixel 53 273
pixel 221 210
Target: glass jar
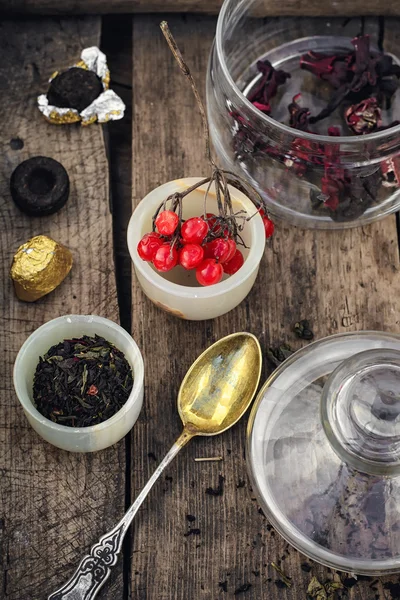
pixel 309 179
pixel 323 451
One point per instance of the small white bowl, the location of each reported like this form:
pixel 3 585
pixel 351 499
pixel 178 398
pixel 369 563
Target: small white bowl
pixel 177 291
pixel 78 439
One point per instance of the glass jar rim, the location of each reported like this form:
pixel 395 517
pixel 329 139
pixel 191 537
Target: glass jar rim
pixel 315 137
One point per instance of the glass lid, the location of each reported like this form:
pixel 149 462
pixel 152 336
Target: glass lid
pixel 323 451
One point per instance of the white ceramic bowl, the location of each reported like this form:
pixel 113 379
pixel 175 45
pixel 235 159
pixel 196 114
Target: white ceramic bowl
pixel 78 439
pixel 177 291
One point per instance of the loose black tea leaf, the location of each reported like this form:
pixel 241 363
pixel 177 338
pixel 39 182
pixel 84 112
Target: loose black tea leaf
pixel 194 531
pixel 302 330
pixel 243 588
pixel 277 355
pixel 218 491
pixel 82 382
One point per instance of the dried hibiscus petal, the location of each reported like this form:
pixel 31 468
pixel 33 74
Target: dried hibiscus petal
pixel 361 192
pixel 364 117
pixel 391 172
pixel 265 108
pixel 268 85
pixel 333 69
pixel 349 74
pixel 364 65
pixel 334 131
pixel 299 116
pixel 384 127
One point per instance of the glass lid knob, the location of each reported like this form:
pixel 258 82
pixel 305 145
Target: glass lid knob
pixel 360 410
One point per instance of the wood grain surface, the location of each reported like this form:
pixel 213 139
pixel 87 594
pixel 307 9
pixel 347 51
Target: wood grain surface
pixel 53 504
pixel 268 8
pixel 340 281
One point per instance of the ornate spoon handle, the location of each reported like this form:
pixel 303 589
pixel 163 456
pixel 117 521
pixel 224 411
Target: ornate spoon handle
pixel 95 568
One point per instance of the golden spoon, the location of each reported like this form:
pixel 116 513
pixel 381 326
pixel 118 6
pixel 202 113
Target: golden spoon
pixel 215 393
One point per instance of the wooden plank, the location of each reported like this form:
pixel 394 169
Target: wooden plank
pixel 340 281
pixel 54 504
pixel 118 49
pixel 268 8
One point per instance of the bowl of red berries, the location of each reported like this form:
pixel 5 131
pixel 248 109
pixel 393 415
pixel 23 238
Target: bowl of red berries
pixel 196 246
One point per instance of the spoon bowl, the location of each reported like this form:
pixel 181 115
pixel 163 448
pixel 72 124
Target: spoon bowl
pixel 220 385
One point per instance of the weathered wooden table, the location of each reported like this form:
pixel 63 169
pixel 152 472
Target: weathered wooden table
pixel 54 505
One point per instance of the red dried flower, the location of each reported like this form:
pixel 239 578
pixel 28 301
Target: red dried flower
pixel 364 117
pixel 334 131
pixel 333 69
pixel 268 85
pixel 298 116
pixel 265 108
pixel 363 65
pixel 351 73
pixel 391 172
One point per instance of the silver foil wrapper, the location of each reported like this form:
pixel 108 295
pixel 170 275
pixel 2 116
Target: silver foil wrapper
pixel 108 106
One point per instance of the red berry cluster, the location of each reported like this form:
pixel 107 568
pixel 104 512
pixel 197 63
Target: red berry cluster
pixel 202 244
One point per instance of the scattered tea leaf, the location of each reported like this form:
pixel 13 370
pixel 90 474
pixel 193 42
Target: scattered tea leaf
pixel 279 354
pixel 194 531
pixel 323 591
pixel 316 590
pixel 332 587
pixel 285 580
pixel 243 588
pixel 218 491
pixel 350 582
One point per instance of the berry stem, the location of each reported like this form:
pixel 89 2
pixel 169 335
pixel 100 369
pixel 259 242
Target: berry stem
pixel 221 178
pixel 186 71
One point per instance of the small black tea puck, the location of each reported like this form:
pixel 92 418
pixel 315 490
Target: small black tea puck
pixel 75 88
pixel 39 186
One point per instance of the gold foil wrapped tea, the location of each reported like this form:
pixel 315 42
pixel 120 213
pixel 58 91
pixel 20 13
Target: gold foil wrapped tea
pixel 81 93
pixel 39 266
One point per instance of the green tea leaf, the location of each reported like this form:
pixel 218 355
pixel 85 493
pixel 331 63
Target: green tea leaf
pixel 89 355
pixel 316 590
pixel 332 587
pixel 84 379
pixel 79 347
pixel 55 358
